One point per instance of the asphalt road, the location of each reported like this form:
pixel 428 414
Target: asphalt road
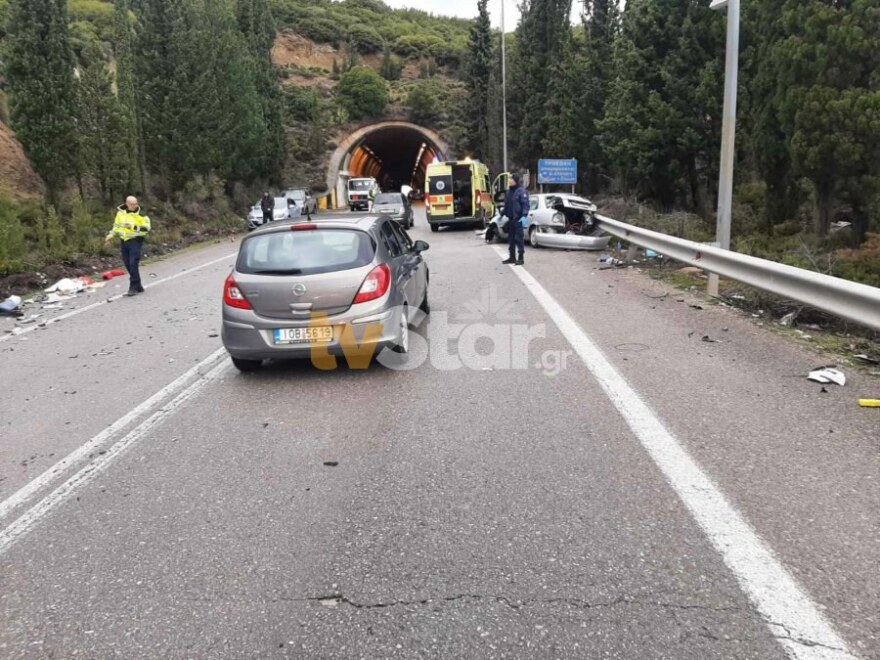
pixel 626 491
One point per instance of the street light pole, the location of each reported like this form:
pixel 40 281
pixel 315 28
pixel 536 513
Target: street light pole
pixel 503 86
pixel 728 130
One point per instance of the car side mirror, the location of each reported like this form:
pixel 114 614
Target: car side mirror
pixel 420 246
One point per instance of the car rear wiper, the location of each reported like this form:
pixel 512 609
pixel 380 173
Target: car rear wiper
pixel 289 271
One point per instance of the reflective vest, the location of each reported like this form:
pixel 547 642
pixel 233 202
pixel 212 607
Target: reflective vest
pixel 129 224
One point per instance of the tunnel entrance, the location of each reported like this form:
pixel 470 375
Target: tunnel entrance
pixel 395 153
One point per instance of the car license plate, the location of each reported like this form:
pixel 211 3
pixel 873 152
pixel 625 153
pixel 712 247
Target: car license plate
pixel 303 335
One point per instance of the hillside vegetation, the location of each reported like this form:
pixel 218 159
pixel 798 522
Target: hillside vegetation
pixel 196 105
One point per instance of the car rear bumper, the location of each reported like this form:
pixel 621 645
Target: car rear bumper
pixel 357 334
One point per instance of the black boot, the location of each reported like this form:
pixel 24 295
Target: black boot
pixel 509 260
pixel 520 261
pixel 140 288
pixel 132 292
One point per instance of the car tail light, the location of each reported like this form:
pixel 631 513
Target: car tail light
pixel 233 296
pixel 375 285
pixel 303 226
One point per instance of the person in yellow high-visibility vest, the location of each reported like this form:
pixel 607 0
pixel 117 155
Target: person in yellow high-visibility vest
pixel 131 226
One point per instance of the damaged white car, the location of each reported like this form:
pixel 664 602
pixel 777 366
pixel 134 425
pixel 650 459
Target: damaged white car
pixel 556 220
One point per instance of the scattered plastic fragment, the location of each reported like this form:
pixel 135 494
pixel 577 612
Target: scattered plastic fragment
pixel 827 375
pixel 11 306
pixel 869 403
pixel 789 318
pixel 110 274
pixel 867 359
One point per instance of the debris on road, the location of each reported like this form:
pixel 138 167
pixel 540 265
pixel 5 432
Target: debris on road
pixel 825 375
pixel 699 307
pixel 331 463
pixel 110 274
pixel 11 306
pixel 709 340
pixel 867 359
pixel 213 334
pixel 789 318
pixel 869 403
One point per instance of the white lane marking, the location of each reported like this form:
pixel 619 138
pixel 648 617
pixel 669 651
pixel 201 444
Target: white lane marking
pixel 793 618
pixel 80 310
pixel 28 491
pixel 98 464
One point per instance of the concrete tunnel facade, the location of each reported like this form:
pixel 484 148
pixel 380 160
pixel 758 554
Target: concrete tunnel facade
pixel 396 153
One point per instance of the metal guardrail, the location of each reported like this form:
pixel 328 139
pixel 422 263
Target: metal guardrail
pixel 855 302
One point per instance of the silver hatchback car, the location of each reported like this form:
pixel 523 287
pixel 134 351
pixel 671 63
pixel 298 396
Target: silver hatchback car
pixel 344 286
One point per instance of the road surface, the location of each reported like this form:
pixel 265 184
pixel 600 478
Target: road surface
pixel 618 489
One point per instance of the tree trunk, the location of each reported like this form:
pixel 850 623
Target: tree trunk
pixel 861 221
pixel 824 202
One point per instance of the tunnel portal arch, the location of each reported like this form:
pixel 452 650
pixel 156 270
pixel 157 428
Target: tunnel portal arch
pixel 395 152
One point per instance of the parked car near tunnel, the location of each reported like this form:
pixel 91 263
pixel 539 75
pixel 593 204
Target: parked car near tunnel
pixel 397 206
pixel 285 209
pixel 304 199
pixel 556 220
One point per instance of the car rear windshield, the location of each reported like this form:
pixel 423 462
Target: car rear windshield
pixel 307 252
pixel 440 185
pixel 389 198
pixel 360 185
pixel 296 194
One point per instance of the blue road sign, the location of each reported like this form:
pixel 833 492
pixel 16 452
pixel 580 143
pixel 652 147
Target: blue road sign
pixel 557 171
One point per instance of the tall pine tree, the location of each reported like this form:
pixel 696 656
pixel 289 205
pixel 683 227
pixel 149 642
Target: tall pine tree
pixel 156 64
pixel 102 130
pixel 478 68
pixel 39 75
pixel 541 35
pixel 126 86
pixel 256 24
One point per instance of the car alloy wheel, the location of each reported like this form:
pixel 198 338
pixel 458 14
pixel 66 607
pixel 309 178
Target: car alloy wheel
pixel 533 237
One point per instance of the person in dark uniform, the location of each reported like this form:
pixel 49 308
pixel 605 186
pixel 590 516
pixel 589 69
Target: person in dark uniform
pixel 516 210
pixel 267 205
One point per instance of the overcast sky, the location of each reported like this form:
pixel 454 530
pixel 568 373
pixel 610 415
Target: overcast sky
pixel 468 9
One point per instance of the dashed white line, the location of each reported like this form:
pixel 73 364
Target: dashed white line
pixel 99 463
pixel 793 618
pixel 80 310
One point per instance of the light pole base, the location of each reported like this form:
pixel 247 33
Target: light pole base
pixel 712 288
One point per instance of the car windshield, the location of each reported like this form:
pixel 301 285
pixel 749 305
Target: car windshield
pixel 297 194
pixel 389 198
pixel 362 184
pixel 280 203
pixel 307 252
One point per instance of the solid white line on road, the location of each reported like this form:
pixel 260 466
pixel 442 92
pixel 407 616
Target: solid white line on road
pixel 28 491
pixel 80 310
pixel 99 463
pixel 793 618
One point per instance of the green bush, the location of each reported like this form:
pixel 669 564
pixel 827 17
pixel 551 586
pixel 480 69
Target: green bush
pixel 363 93
pixel 414 46
pixel 423 102
pixel 12 244
pixel 365 39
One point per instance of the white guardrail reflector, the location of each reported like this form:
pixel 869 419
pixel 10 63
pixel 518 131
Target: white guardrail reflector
pixel 855 302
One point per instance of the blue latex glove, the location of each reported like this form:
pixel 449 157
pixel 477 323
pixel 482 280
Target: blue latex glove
pixel 524 221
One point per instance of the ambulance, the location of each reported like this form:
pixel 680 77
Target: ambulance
pixel 458 193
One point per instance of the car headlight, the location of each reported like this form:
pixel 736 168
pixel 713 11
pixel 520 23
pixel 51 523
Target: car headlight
pixel 558 219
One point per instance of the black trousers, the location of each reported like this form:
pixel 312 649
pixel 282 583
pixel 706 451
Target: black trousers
pixel 516 238
pixel 132 250
pixel 267 217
